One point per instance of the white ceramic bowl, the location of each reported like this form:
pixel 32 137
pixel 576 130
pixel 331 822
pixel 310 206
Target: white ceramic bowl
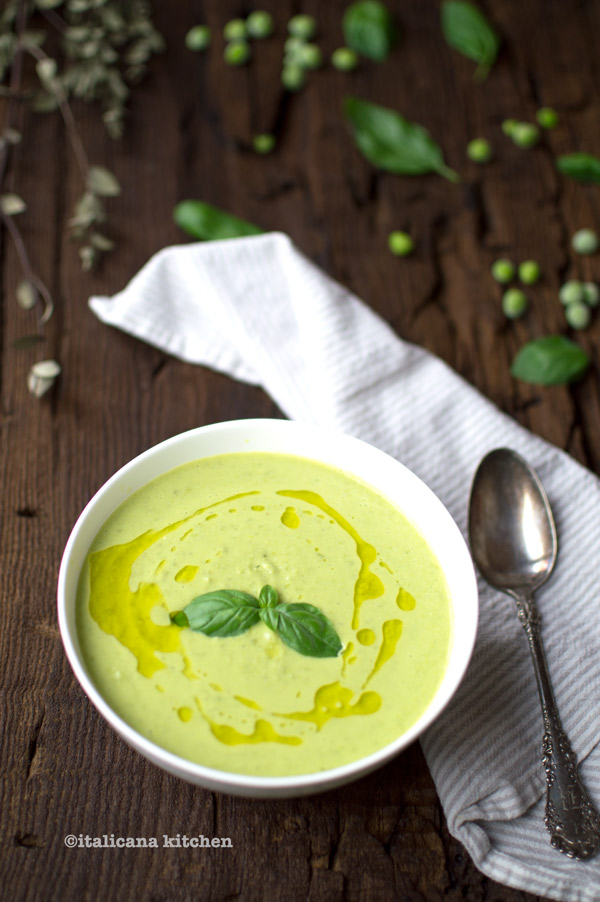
pixel 373 467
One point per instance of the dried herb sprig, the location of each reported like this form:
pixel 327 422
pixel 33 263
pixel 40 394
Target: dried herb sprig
pixel 32 289
pixel 104 47
pixel 99 182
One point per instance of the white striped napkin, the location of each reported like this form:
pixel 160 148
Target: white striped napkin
pixel 256 309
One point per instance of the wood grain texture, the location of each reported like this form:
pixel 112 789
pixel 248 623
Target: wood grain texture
pixel 188 135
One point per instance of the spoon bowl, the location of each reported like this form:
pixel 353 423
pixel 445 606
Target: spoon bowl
pixel 511 528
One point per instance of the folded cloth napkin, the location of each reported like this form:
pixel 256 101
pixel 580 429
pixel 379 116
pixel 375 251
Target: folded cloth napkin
pixel 257 309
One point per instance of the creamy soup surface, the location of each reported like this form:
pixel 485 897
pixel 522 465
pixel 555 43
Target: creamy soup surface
pixel 249 703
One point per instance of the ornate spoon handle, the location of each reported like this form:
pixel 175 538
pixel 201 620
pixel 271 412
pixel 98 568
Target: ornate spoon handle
pixel 571 818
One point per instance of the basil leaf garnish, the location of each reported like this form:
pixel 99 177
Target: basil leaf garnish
pixel 584 167
pixel 228 612
pixel 268 597
pixel 304 628
pixel 467 30
pixel 552 360
pixel 370 29
pixel 391 142
pixel 208 223
pixel 223 613
pixel 179 619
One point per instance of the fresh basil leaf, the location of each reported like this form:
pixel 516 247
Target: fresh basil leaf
pixel 467 30
pixel 370 29
pixel 303 628
pixel 584 167
pixel 268 597
pixel 391 142
pixel 226 612
pixel 208 223
pixel 552 360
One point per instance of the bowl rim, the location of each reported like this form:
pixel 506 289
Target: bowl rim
pixel 230 781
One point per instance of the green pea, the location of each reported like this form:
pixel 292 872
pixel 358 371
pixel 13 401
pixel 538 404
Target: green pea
pixel 292 44
pixel 591 294
pixel 259 24
pixel 263 143
pixel 198 38
pixel 237 53
pixel 578 315
pixel 547 117
pixel 400 244
pixel 308 56
pixel 508 126
pixel 235 30
pixel 344 59
pixel 529 272
pixel 293 77
pixel 585 241
pixel 571 293
pixel 503 271
pixel 514 303
pixel 479 150
pixel 525 134
pixel 302 26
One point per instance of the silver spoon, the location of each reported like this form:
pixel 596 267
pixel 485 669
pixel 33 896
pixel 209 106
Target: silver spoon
pixel 513 541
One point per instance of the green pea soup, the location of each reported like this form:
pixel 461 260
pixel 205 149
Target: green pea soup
pixel 249 704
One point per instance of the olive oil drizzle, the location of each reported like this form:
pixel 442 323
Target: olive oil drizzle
pixel 125 614
pixel 368 585
pixel 391 632
pixel 263 732
pixel 334 700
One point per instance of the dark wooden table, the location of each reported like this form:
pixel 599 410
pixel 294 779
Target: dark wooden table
pixel 190 121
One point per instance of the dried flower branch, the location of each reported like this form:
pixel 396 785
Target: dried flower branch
pixel 105 45
pixel 99 181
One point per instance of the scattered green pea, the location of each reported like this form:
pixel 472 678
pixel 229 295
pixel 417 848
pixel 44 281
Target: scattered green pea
pixel 302 26
pixel 514 303
pixel 263 143
pixel 591 294
pixel 585 241
pixel 292 44
pixel 547 117
pixel 198 38
pixel 400 244
pixel 293 77
pixel 345 59
pixel 235 30
pixel 259 24
pixel 479 150
pixel 525 134
pixel 308 56
pixel 237 53
pixel 578 315
pixel 508 126
pixel 529 272
pixel 503 271
pixel 571 293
